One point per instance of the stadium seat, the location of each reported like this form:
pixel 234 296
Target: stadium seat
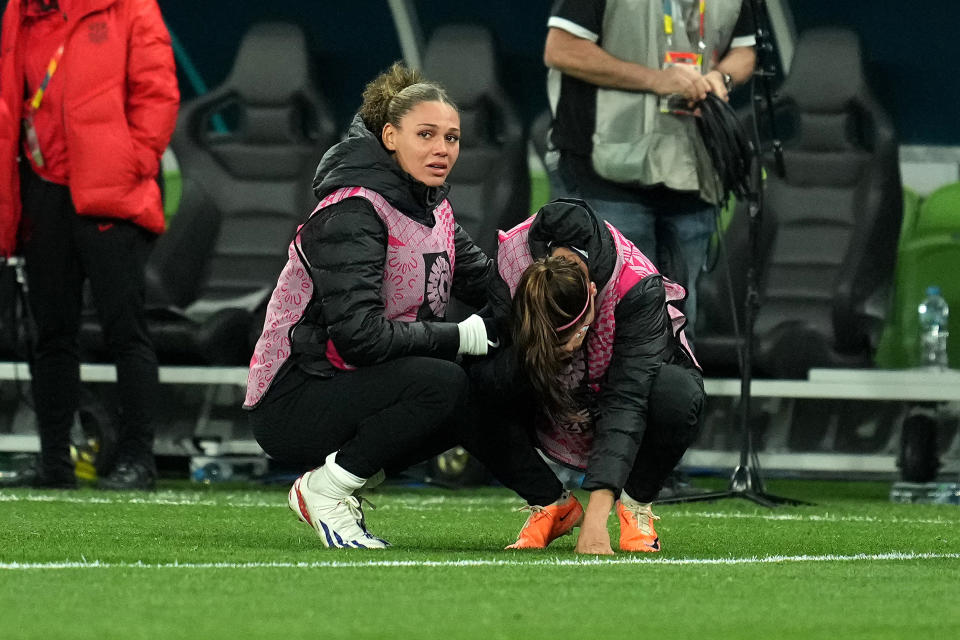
pixel 722 288
pixel 930 256
pixel 939 212
pixel 911 212
pixel 247 150
pixel 490 186
pixel 830 225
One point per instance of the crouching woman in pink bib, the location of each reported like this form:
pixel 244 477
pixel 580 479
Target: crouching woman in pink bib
pixel 355 369
pixel 608 383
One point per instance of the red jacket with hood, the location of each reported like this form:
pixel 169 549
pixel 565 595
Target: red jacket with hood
pixel 120 102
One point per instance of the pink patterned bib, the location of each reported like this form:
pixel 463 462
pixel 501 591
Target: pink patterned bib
pixel 417 276
pixel 571 443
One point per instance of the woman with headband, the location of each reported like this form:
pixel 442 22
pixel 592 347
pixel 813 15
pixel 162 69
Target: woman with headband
pixel 607 381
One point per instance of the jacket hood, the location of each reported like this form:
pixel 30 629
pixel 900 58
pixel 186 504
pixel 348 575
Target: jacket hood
pixel 572 223
pixel 361 161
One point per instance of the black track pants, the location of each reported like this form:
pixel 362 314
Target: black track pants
pixel 499 434
pixel 673 424
pixel 386 416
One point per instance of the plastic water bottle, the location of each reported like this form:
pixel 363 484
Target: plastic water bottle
pixel 212 469
pixel 209 473
pixel 934 313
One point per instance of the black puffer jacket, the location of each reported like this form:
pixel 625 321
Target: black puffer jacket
pixel 345 245
pixel 643 340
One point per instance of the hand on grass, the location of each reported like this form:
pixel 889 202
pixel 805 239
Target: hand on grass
pixel 594 542
pixel 594 538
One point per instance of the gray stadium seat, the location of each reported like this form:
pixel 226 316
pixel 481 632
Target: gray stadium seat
pixel 248 151
pixel 491 182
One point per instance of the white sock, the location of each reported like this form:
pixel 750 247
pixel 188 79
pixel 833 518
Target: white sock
pixel 332 480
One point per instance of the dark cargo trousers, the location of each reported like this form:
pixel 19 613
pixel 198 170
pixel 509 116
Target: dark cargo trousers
pixel 63 250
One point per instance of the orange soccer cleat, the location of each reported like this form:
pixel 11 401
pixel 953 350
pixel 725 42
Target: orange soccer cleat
pixel 636 527
pixel 546 524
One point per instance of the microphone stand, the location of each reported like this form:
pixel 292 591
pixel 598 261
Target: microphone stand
pixel 746 481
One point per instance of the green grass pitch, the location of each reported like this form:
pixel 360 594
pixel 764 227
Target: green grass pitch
pixel 234 562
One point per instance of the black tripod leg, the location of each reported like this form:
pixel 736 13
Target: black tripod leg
pixel 696 497
pixel 760 498
pixel 763 499
pixel 773 500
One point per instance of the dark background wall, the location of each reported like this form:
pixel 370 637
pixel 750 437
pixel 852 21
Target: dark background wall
pixel 352 41
pixel 909 47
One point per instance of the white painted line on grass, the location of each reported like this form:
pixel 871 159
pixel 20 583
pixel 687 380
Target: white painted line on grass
pixel 181 499
pixel 812 517
pixel 551 562
pixel 171 500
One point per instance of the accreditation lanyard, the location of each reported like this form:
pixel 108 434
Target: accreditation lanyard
pixel 676 104
pixel 668 27
pixel 29 131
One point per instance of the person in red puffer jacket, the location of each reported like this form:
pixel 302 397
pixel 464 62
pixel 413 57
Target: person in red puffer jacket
pixel 88 102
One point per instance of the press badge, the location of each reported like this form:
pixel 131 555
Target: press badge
pixel 676 103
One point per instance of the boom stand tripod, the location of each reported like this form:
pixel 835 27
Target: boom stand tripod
pixel 746 481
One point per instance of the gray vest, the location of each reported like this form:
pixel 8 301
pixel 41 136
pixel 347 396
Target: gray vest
pixel 634 143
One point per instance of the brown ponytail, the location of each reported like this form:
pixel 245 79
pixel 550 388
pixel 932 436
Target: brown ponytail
pixel 389 96
pixel 550 294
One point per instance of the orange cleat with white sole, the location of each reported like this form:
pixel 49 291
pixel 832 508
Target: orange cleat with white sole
pixel 636 527
pixel 546 524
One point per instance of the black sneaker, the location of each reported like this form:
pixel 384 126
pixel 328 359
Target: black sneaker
pixel 32 478
pixel 128 476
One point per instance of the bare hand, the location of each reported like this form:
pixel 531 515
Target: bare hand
pixel 594 541
pixel 682 80
pixel 717 87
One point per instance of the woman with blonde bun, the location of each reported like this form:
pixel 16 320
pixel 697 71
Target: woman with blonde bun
pixel 356 368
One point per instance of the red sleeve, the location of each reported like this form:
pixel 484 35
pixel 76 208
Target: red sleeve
pixel 9 133
pixel 8 207
pixel 152 94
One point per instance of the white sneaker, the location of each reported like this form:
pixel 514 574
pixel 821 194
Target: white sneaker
pixel 338 521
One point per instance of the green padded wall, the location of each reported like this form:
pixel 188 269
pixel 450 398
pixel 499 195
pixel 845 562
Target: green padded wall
pixel 924 261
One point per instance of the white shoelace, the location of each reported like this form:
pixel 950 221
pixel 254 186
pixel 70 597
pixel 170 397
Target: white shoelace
pixel 355 504
pixel 534 511
pixel 359 499
pixel 644 516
